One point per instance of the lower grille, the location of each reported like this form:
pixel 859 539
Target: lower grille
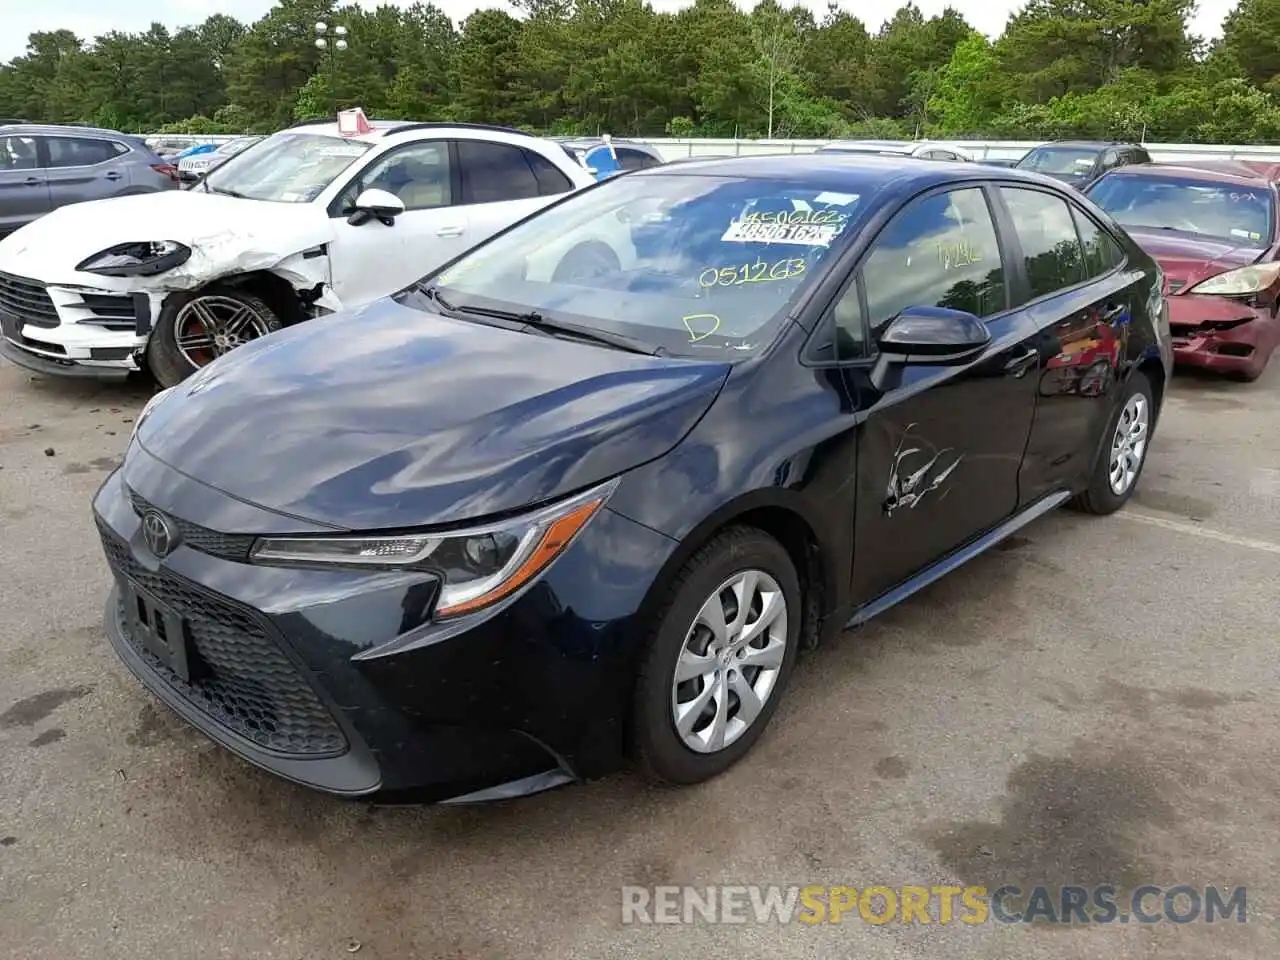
pixel 228 546
pixel 241 679
pixel 28 300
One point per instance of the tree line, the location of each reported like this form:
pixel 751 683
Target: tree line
pixel 1061 68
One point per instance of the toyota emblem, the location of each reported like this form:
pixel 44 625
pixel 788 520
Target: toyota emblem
pixel 161 538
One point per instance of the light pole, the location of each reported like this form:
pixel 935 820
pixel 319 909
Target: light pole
pixel 330 47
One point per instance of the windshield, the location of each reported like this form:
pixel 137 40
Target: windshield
pixel 1224 210
pixel 1059 160
pixel 286 168
pixel 687 264
pixel 232 147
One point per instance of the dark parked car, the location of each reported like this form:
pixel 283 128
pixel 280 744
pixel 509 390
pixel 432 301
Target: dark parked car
pixel 1080 162
pixel 1215 231
pixel 46 167
pixel 586 491
pixel 630 154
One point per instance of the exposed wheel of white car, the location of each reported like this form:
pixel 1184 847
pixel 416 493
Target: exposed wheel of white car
pixel 195 329
pixel 722 646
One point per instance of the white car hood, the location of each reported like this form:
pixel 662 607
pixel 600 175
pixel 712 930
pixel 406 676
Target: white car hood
pixel 226 235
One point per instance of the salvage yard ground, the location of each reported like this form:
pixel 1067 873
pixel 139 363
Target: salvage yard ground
pixel 1097 701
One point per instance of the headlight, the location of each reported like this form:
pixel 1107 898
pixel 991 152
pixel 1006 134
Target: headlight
pixel 1245 280
pixel 477 566
pixel 138 259
pixel 148 407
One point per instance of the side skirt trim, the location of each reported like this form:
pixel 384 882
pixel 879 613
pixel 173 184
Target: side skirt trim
pixel 958 558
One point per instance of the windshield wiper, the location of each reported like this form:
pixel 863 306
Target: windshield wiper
pixel 544 324
pixel 229 193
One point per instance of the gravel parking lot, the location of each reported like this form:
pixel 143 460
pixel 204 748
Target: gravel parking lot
pixel 1096 701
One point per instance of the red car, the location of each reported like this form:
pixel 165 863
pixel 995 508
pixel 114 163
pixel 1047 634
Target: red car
pixel 1214 228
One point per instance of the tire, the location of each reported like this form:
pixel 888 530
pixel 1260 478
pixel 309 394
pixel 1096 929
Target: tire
pixel 169 364
pixel 1101 497
pixel 661 751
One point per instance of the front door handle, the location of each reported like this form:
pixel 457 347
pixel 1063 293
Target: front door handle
pixel 1020 364
pixel 454 230
pixel 32 182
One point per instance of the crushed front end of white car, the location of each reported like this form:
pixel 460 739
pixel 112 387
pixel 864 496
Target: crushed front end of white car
pixel 82 287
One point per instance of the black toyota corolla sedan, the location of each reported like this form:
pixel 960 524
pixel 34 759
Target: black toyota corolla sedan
pixel 583 494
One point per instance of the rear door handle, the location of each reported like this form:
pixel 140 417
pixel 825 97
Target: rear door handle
pixel 453 230
pixel 113 175
pixel 1022 362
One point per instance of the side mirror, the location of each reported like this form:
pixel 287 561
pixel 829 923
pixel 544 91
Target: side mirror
pixel 929 335
pixel 376 204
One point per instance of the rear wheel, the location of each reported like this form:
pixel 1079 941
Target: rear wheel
pixel 719 657
pixel 1128 437
pixel 195 329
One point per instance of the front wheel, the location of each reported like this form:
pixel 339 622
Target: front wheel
pixel 195 329
pixel 719 656
pixel 1128 437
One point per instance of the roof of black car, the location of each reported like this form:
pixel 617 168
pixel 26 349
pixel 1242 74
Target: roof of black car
pixel 834 170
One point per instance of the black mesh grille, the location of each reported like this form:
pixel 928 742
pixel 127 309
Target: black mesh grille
pixel 228 546
pixel 240 677
pixel 28 300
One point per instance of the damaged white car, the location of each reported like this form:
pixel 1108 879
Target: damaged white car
pixel 311 220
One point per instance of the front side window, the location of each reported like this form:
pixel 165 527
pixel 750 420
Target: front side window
pixel 688 264
pixel 287 167
pixel 1243 214
pixel 418 174
pixel 941 251
pixel 80 151
pixel 19 153
pixel 1059 160
pixel 1047 233
pixel 630 159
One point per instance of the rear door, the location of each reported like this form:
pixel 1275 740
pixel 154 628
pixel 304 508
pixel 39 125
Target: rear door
pixel 84 168
pixel 1079 297
pixel 24 187
pixel 501 183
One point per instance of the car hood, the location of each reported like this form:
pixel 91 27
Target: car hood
pixel 1189 259
pixel 225 234
pixel 391 417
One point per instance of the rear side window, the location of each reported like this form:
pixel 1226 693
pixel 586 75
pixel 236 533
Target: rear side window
pixel 492 172
pixel 1101 252
pixel 81 151
pixel 941 251
pixel 634 159
pixel 550 180
pixel 1047 232
pixel 19 153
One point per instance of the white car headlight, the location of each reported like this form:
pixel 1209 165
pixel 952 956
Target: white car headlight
pixel 136 259
pixel 1240 282
pixel 477 566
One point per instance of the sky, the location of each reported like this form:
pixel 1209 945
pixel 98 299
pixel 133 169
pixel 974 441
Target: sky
pixel 92 17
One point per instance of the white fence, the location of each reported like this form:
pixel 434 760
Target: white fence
pixel 677 148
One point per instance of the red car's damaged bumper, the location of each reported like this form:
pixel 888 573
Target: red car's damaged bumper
pixel 1218 333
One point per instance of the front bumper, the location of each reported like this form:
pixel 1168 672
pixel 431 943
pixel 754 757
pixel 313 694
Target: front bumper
pixel 338 680
pixel 1200 341
pixel 73 330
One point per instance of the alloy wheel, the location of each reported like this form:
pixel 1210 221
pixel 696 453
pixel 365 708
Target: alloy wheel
pixel 1129 444
pixel 730 661
pixel 207 327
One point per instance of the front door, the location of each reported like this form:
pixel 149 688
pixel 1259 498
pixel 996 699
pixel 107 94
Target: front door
pixel 24 186
pixel 940 449
pixel 372 259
